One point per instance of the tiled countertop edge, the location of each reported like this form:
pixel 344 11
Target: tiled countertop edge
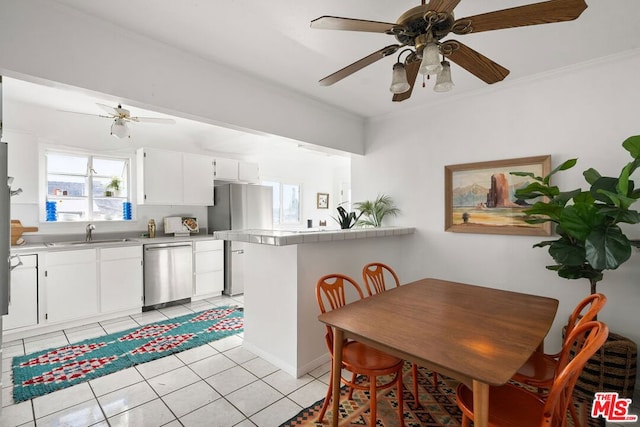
pixel 283 238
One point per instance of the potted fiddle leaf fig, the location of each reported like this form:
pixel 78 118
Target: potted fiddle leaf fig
pixel 374 211
pixel 591 241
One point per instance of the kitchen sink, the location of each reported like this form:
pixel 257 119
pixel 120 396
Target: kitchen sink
pixel 90 242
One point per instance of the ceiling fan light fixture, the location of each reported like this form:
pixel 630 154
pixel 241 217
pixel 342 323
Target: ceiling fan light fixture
pixel 399 82
pixel 443 79
pixel 119 128
pixel 430 59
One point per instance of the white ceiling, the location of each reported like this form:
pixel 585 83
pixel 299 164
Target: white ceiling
pixel 272 41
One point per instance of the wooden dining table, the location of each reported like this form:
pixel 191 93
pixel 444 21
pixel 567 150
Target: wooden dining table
pixel 477 335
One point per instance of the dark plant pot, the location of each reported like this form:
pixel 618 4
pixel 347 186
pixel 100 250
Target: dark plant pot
pixel 612 368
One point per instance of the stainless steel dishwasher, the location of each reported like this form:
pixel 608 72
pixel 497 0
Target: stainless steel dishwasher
pixel 168 273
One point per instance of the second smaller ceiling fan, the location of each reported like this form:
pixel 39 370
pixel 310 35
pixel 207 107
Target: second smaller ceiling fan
pixel 121 116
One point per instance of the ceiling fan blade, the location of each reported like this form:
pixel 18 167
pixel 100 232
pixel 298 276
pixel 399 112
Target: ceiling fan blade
pixel 358 65
pixel 443 5
pixel 109 109
pixel 474 62
pixel 534 14
pixel 412 74
pixel 86 114
pixel 349 24
pixel 151 120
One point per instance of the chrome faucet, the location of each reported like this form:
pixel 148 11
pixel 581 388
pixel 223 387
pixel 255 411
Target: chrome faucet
pixel 90 228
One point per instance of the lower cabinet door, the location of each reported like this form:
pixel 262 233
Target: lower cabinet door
pixel 120 285
pixel 23 304
pixel 72 291
pixel 209 282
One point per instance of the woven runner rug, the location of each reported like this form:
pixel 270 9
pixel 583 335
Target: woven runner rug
pixel 46 371
pixel 437 406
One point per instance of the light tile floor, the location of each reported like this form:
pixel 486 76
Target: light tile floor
pixel 216 385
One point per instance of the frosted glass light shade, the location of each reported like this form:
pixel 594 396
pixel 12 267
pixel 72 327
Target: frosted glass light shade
pixel 119 129
pixel 443 79
pixel 399 83
pixel 430 59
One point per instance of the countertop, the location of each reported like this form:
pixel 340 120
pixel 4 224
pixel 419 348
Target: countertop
pixel 131 241
pixel 295 237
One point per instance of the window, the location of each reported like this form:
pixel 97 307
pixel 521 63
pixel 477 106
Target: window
pixel 81 187
pixel 286 202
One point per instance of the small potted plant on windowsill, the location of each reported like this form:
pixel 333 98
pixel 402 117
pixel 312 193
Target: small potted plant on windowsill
pixel 113 188
pixel 590 242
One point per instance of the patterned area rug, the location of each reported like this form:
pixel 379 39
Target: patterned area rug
pixel 46 371
pixel 437 406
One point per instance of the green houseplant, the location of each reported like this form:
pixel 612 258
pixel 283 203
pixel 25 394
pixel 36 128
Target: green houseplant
pixel 113 188
pixel 346 219
pixel 591 241
pixel 374 211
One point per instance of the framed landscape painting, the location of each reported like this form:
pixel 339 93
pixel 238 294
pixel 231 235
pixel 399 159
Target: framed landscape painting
pixel 479 197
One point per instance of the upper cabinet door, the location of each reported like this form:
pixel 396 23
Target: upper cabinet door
pixel 159 177
pixel 226 169
pixel 198 180
pixel 248 172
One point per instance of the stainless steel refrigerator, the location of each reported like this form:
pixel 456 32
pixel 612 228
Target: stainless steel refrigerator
pixel 5 230
pixel 239 207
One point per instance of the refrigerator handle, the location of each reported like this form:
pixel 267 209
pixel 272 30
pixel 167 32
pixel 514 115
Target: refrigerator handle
pixel 238 251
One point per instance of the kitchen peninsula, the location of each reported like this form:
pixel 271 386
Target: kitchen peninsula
pixel 281 271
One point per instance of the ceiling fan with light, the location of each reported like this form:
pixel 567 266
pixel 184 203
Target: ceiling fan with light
pixel 421 30
pixel 121 116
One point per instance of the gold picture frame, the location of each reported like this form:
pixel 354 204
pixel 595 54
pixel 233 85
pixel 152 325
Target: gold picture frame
pixel 322 201
pixel 479 196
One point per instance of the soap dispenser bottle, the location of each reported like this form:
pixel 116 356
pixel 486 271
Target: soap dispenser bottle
pixel 151 228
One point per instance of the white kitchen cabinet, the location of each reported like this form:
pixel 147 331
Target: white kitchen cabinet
pixel 236 171
pixel 226 169
pixel 159 177
pixel 23 302
pixel 120 278
pixel 71 285
pixel 208 267
pixel 174 178
pixel 248 172
pixel 197 180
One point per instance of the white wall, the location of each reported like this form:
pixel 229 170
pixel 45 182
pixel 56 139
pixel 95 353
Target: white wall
pixel 316 173
pixel 583 112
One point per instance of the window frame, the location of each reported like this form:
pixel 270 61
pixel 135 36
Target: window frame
pixel 89 176
pixel 280 220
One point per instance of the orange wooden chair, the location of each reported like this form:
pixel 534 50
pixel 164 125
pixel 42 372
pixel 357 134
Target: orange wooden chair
pixel 357 358
pixel 539 370
pixel 374 275
pixel 512 405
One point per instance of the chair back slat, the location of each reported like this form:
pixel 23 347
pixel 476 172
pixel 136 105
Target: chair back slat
pixel 373 275
pixel 592 304
pixel 584 341
pixel 332 289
